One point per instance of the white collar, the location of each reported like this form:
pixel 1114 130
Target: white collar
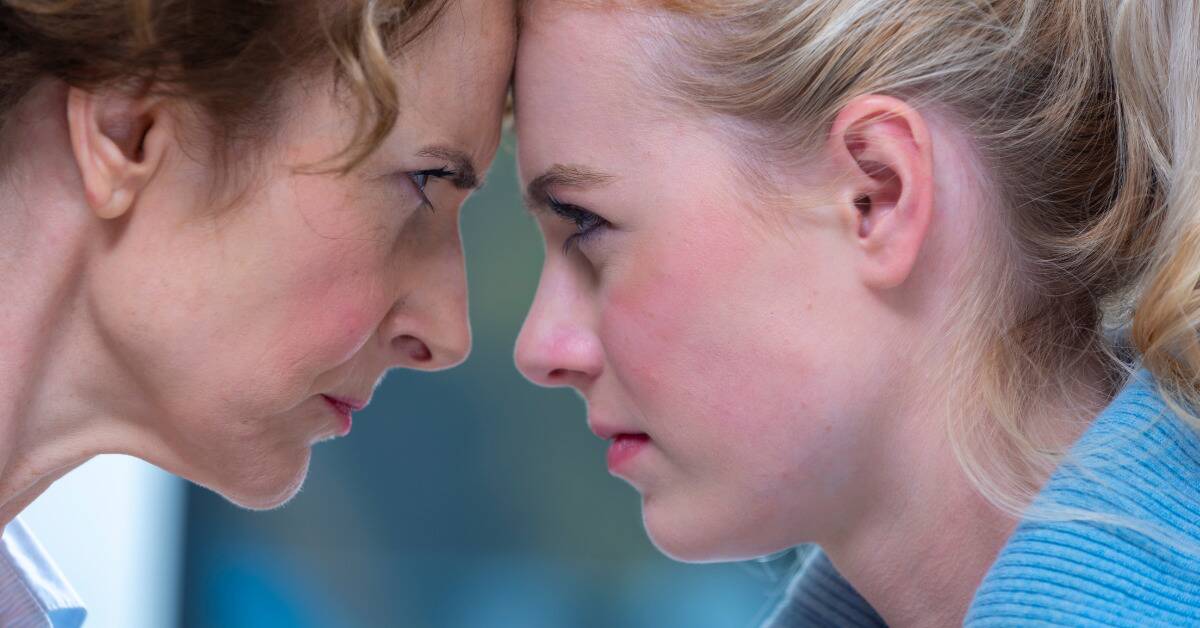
pixel 33 592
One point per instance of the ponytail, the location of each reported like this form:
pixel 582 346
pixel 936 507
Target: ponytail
pixel 1156 56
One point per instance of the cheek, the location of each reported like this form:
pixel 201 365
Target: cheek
pixel 716 344
pixel 684 330
pixel 327 331
pixel 337 303
pixel 338 275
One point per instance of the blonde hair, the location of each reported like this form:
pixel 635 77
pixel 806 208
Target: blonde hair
pixel 1088 244
pixel 1156 52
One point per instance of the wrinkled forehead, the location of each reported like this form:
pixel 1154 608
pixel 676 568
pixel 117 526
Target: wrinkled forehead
pixel 456 76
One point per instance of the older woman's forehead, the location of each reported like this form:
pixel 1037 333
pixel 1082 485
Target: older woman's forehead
pixel 454 82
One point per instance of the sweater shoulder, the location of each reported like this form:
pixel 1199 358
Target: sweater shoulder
pixel 819 597
pixel 1114 537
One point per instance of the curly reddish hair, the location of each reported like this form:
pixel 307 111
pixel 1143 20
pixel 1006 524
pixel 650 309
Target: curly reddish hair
pixel 228 57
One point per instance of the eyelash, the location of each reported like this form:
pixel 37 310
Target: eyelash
pixel 587 224
pixel 420 179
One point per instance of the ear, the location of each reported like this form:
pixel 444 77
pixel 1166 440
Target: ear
pixel 119 142
pixel 883 148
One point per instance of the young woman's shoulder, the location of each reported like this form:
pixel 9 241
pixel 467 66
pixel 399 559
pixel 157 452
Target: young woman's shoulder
pixel 819 597
pixel 1114 537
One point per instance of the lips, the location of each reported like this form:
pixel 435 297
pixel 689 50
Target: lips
pixel 349 404
pixel 624 443
pixel 624 447
pixel 608 432
pixel 345 409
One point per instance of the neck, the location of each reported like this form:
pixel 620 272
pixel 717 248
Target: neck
pixel 41 289
pixel 928 537
pixel 919 558
pixel 50 417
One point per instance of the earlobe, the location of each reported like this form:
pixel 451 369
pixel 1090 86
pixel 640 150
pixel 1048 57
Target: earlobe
pixel 118 142
pixel 883 147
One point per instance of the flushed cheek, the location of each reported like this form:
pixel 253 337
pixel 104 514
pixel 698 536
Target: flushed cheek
pixel 660 302
pixel 708 349
pixel 329 331
pixel 331 315
pixel 678 351
pixel 646 330
pixel 736 436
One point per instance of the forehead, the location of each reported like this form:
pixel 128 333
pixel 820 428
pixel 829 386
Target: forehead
pixel 453 80
pixel 580 82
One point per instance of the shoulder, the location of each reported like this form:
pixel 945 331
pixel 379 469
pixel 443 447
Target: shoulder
pixel 1114 537
pixel 33 591
pixel 819 597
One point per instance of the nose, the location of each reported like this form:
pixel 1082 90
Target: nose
pixel 558 345
pixel 428 329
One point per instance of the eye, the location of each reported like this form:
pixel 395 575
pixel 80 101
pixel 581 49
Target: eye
pixel 587 224
pixel 420 178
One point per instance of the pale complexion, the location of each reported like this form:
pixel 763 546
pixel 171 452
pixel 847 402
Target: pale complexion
pixel 145 315
pixel 777 356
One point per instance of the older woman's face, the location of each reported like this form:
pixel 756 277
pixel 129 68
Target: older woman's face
pixel 255 330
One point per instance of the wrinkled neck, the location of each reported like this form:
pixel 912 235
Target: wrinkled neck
pixel 45 368
pixel 41 278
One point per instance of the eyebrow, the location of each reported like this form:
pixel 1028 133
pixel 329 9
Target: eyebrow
pixel 465 174
pixel 537 193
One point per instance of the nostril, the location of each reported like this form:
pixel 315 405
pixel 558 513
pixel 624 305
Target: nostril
pixel 557 374
pixel 416 350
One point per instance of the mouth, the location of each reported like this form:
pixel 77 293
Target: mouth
pixel 623 448
pixel 624 444
pixel 344 409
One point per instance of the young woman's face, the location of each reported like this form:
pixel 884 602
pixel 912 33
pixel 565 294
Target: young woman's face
pixel 716 340
pixel 252 332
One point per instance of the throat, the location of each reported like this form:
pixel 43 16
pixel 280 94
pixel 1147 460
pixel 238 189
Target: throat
pixel 39 319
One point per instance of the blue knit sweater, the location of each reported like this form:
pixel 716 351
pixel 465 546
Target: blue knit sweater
pixel 1138 467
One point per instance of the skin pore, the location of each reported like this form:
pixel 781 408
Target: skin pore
pixel 145 318
pixel 776 359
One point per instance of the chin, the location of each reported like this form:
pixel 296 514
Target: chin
pixel 684 546
pixel 690 536
pixel 681 536
pixel 270 483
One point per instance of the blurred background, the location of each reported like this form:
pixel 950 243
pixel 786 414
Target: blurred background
pixel 467 498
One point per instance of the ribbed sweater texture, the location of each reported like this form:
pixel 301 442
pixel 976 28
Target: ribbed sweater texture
pixel 1113 539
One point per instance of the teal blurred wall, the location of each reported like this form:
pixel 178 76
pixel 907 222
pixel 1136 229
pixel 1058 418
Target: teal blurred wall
pixel 467 498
